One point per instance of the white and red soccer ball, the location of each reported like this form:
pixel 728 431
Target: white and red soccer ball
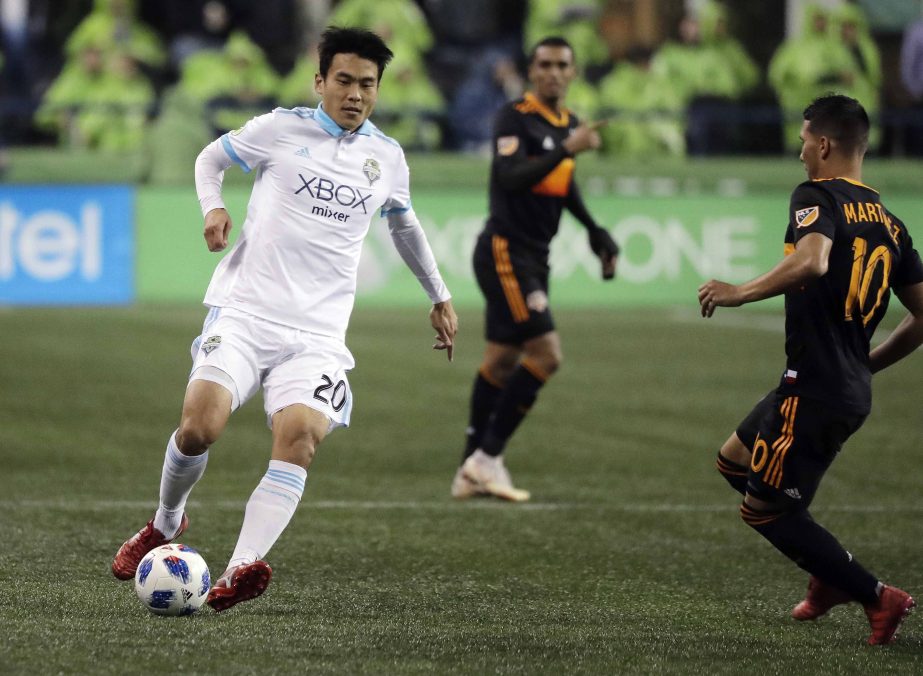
pixel 172 580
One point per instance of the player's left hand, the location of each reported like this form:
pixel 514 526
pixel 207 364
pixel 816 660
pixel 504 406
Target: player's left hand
pixel 606 249
pixel 713 294
pixel 445 321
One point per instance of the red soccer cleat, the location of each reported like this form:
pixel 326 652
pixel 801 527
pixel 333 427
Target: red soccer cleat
pixel 886 615
pixel 240 583
pixel 820 598
pixel 133 550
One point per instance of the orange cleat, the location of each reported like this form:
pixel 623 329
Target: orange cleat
pixel 885 616
pixel 820 598
pixel 133 550
pixel 240 583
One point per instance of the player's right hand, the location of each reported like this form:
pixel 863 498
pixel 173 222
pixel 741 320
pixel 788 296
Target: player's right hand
pixel 715 293
pixel 584 137
pixel 217 228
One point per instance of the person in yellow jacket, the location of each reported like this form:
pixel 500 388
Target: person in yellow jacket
pixel 863 81
pixel 645 112
pixel 711 72
pixel 807 66
pixel 115 22
pixel 410 110
pixel 234 84
pixel 297 88
pixel 99 101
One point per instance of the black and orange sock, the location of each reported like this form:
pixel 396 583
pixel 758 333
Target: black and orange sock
pixel 814 549
pixel 512 406
pixel 484 395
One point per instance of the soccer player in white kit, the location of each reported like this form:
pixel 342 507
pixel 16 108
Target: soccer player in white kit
pixel 281 299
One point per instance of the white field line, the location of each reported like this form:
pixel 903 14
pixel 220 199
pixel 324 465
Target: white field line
pixel 447 505
pixel 727 318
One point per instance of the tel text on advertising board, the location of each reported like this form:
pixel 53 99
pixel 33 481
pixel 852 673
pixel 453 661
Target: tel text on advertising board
pixel 66 245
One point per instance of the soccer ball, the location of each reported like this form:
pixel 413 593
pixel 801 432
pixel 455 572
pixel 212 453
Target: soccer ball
pixel 172 580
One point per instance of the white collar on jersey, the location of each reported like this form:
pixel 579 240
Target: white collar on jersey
pixel 328 125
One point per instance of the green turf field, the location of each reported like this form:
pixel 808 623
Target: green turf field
pixel 630 559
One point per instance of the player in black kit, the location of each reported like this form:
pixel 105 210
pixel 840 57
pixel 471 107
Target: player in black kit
pixel 845 252
pixel 531 182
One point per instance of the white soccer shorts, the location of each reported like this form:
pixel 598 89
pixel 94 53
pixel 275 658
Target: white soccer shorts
pixel 243 352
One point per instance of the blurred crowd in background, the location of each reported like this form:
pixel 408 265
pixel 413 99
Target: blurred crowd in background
pixel 674 77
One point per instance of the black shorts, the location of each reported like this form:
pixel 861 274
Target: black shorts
pixel 515 287
pixel 793 441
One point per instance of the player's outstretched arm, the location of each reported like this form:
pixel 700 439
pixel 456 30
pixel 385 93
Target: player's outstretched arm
pixel 445 322
pixel 217 228
pixel 808 261
pixel 907 337
pixel 584 137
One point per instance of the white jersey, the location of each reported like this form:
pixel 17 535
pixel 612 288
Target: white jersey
pixel 316 191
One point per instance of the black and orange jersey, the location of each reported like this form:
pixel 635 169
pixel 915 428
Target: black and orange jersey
pixel 532 175
pixel 829 322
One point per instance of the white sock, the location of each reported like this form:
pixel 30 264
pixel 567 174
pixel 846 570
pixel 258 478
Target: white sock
pixel 180 474
pixel 269 510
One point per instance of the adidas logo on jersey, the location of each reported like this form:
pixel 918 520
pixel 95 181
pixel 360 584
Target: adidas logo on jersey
pixel 792 493
pixel 303 152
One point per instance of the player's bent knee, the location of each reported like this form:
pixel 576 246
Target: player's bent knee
pixel 734 451
pixel 544 355
pixel 736 475
pixel 195 436
pixel 551 363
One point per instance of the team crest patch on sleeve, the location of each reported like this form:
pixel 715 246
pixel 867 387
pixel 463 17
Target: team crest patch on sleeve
pixel 806 217
pixel 372 170
pixel 507 145
pixel 212 343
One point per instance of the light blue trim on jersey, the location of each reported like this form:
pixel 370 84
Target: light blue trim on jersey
pixel 378 133
pixel 395 210
pixel 213 313
pixel 303 112
pixel 328 125
pixel 229 149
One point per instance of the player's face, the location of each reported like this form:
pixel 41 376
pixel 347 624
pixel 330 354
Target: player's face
pixel 810 150
pixel 349 91
pixel 551 71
